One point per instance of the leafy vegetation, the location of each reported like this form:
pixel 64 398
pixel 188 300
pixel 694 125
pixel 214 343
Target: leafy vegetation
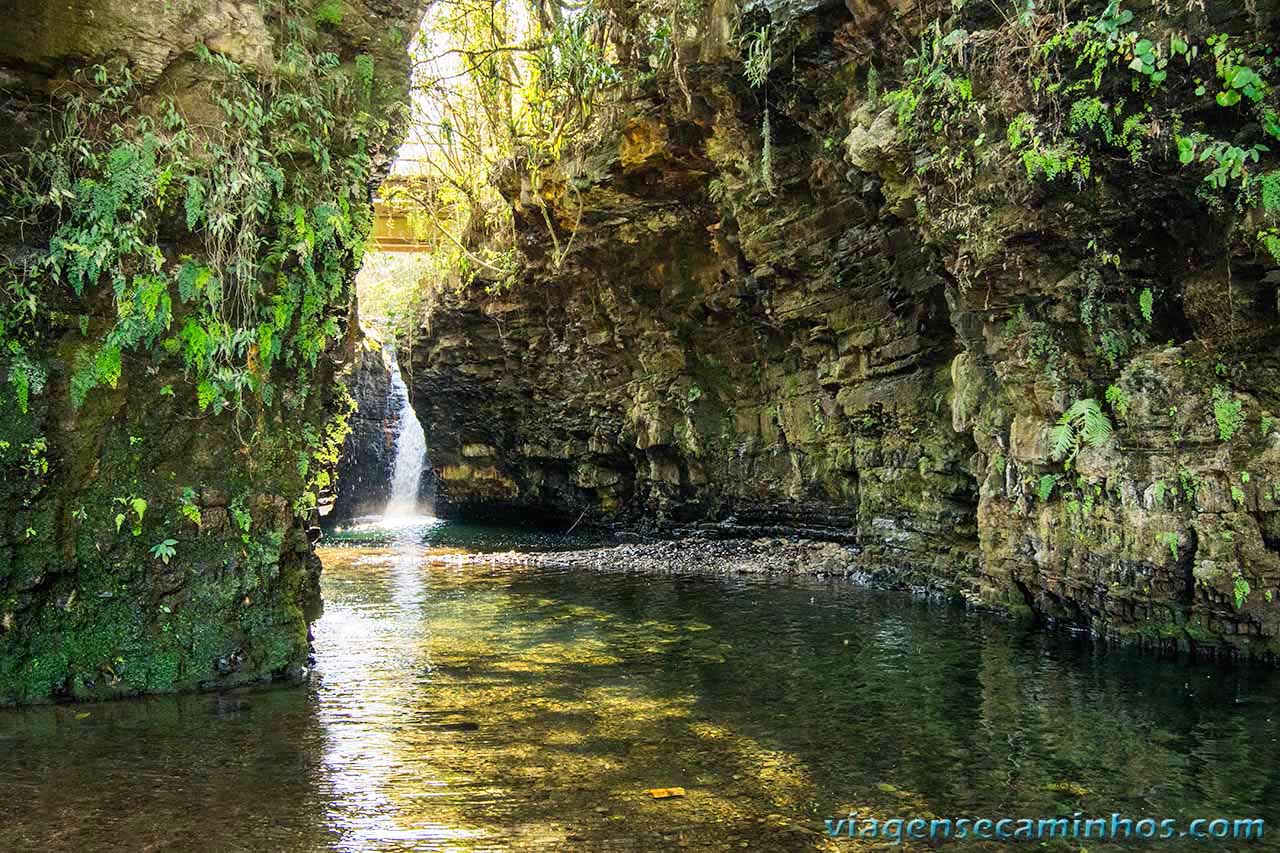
pixel 513 88
pixel 1228 413
pixel 1103 89
pixel 757 62
pixel 1082 423
pixel 1240 590
pixel 273 250
pixel 1045 485
pixel 164 550
pixel 1118 400
pixel 189 271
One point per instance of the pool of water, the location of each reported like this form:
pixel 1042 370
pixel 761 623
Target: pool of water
pixel 462 707
pixel 436 536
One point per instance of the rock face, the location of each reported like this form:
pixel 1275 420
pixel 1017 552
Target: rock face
pixel 368 454
pixel 867 320
pixel 185 195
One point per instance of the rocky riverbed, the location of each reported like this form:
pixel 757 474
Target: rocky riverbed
pixel 699 554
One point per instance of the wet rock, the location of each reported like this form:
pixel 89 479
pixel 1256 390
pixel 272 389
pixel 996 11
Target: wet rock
pixel 458 726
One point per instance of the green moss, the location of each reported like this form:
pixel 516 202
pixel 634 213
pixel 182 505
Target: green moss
pixel 1168 630
pixel 1196 630
pixel 113 636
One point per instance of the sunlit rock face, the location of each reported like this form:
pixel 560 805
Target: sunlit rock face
pixel 151 542
pixel 856 353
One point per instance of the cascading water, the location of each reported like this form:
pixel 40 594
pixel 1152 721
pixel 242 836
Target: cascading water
pixel 411 454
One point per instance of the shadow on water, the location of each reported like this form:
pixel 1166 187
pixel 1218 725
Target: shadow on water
pixel 480 707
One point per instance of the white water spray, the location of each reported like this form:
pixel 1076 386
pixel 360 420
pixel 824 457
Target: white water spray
pixel 411 454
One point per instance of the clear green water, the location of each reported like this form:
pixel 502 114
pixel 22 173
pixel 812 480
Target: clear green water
pixel 476 707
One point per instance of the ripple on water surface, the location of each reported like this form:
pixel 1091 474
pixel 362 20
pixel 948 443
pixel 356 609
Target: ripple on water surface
pixel 480 707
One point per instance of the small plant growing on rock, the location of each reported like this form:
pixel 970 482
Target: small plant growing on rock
pixel 139 507
pixel 164 550
pixel 1083 423
pixel 1118 400
pixel 1015 322
pixel 26 376
pixel 329 13
pixel 1190 483
pixel 243 519
pixel 759 57
pixel 1045 487
pixel 1227 413
pixel 1146 304
pixel 1240 588
pixel 755 67
pixel 188 507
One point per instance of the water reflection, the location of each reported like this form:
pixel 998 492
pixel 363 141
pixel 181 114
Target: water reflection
pixel 465 707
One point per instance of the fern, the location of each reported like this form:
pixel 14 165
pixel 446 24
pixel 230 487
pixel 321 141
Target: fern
pixel 1097 426
pixel 206 393
pixel 193 202
pixel 1227 413
pixel 1045 487
pixel 27 378
pixel 364 73
pixel 1118 400
pixel 1270 240
pixel 1240 590
pixel 1084 422
pixel 1269 191
pixel 1063 438
pixel 716 191
pixel 329 12
pixel 1146 303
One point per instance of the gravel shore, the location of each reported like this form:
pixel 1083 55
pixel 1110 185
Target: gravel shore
pixel 701 556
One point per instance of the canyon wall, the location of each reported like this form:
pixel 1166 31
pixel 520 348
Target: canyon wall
pixel 367 460
pixel 185 197
pixel 856 299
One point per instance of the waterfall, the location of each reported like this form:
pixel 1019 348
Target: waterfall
pixel 411 453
